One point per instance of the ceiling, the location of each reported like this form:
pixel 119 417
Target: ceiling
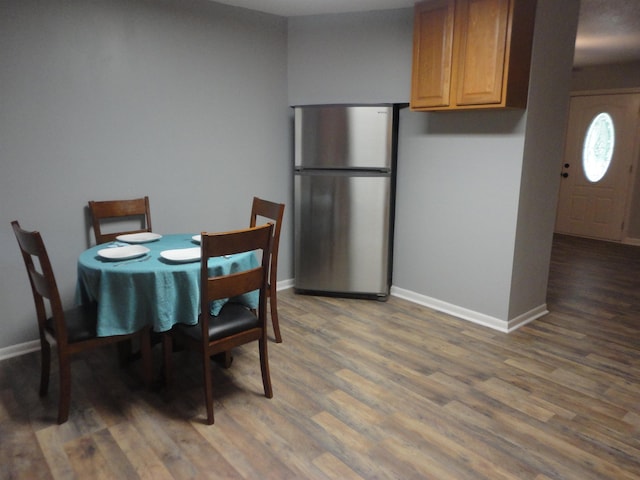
pixel 608 30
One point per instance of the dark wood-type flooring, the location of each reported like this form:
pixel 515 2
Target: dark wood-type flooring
pixel 365 389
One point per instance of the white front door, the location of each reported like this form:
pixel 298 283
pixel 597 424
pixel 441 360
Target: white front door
pixel 597 166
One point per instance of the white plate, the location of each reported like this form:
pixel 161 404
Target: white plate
pixel 182 255
pixel 123 253
pixel 142 237
pixel 197 238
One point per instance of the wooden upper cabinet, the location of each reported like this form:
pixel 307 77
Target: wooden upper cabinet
pixel 470 54
pixel 432 45
pixel 482 42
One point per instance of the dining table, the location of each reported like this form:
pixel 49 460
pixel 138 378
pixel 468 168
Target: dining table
pixel 151 279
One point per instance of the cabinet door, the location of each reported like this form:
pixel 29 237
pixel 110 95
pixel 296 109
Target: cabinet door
pixel 432 54
pixel 482 36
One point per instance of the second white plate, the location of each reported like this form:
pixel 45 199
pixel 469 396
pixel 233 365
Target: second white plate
pixel 142 237
pixel 182 255
pixel 123 253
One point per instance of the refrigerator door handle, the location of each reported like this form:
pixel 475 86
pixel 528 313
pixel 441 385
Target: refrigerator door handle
pixel 343 171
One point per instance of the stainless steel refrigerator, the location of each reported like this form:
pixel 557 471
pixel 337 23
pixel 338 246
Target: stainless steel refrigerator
pixel 344 199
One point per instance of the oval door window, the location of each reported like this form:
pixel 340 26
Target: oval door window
pixel 598 147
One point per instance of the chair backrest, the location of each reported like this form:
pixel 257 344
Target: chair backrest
pixel 114 210
pixel 42 280
pixel 235 284
pixel 271 211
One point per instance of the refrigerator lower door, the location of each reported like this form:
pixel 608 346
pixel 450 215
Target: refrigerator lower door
pixel 342 233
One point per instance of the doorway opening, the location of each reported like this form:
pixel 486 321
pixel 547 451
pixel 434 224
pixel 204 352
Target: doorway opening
pixel 600 188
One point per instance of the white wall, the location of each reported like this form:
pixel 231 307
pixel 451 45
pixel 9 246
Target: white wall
pixel 181 100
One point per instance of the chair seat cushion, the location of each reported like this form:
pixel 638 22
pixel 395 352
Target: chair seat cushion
pixel 81 323
pixel 232 319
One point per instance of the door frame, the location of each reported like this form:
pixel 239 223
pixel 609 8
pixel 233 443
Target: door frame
pixel 634 180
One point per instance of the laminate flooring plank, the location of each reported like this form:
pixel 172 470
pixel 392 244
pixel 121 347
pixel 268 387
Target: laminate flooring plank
pixel 155 436
pixel 332 467
pixel 20 454
pixel 146 463
pixel 407 459
pixel 461 446
pixel 234 444
pixel 600 442
pixel 87 460
pixel 119 464
pixel 522 444
pixel 52 447
pixel 207 461
pixel 553 450
pixel 274 439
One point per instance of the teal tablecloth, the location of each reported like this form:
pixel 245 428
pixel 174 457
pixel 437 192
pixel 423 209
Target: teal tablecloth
pixel 150 290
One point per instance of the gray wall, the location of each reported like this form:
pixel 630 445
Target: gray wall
pixel 184 101
pixel 556 24
pixel 350 58
pixel 464 240
pixel 187 101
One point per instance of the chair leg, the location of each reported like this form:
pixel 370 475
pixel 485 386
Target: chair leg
pixel 273 303
pixel 64 400
pixel 45 367
pixel 208 387
pixel 125 352
pixel 227 359
pixel 264 367
pixel 167 351
pixel 145 352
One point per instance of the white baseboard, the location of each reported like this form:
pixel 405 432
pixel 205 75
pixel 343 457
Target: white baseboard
pixel 20 349
pixel 457 311
pixel 470 315
pixel 527 317
pixel 285 284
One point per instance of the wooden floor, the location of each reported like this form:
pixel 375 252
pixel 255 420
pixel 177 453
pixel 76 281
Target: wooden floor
pixel 369 390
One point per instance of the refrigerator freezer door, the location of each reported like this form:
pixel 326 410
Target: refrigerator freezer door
pixel 342 233
pixel 336 136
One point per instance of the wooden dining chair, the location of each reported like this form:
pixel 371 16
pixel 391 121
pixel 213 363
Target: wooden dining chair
pixel 115 211
pixel 236 324
pixel 271 211
pixel 72 330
